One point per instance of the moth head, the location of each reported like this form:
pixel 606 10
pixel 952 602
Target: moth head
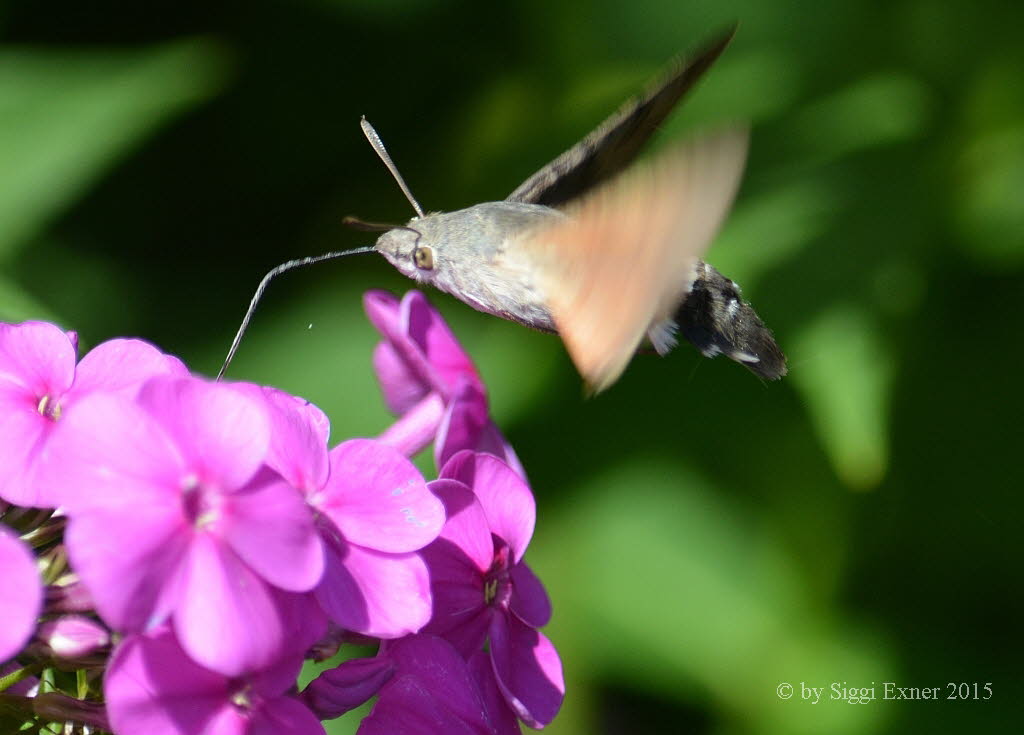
pixel 405 248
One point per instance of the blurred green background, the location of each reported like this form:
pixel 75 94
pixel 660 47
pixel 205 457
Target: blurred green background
pixel 704 537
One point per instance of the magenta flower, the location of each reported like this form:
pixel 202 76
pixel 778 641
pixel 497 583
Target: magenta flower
pixel 21 594
pixel 39 382
pixel 430 382
pixel 152 686
pixel 424 687
pixel 174 515
pixel 213 533
pixel 484 592
pixel 374 512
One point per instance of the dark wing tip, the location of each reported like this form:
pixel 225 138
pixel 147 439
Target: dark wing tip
pixel 614 144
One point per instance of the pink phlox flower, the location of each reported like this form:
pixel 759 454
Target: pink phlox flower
pixel 424 687
pixel 483 590
pixel 175 515
pixel 153 686
pixel 374 512
pixel 21 594
pixel 39 383
pixel 430 382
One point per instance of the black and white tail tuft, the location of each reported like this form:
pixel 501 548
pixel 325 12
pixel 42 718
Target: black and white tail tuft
pixel 716 319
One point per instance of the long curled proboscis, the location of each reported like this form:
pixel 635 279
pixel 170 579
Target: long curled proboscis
pixel 290 265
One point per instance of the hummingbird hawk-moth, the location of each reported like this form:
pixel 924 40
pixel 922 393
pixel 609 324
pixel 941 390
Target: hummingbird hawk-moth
pixel 593 249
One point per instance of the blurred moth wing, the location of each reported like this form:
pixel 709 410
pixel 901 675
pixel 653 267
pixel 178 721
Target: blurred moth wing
pixel 624 259
pixel 613 145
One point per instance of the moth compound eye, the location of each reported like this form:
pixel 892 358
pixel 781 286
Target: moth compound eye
pixel 423 257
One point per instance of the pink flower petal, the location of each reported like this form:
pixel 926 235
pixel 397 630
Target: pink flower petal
pixel 378 499
pixel 345 687
pixel 284 716
pixel 151 686
pixel 506 498
pixel 529 599
pixel 457 562
pixel 402 387
pixel 415 430
pixel 403 372
pixel 298 442
pixel 305 624
pixel 129 564
pixel 24 434
pixel 503 719
pixel 443 673
pixel 466 526
pixel 492 441
pixel 463 424
pixel 108 453
pixel 410 709
pixel 21 594
pixel 224 433
pixel 226 618
pixel 383 311
pixel 372 593
pixel 528 669
pixel 123 365
pixel 467 424
pixel 229 720
pixel 37 366
pixel 37 357
pixel 425 326
pixel 271 528
pixel 464 627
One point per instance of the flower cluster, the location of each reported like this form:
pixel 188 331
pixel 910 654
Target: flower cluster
pixel 190 543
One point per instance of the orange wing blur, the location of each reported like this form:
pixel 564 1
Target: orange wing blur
pixel 625 258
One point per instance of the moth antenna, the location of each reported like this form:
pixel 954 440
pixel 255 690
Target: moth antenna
pixel 359 224
pixel 362 225
pixel 290 265
pixel 378 146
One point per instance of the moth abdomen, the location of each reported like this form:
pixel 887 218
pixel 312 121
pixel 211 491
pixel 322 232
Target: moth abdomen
pixel 716 319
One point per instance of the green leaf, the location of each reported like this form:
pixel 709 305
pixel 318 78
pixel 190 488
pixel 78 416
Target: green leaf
pixel 875 110
pixel 845 376
pixel 65 117
pixel 989 204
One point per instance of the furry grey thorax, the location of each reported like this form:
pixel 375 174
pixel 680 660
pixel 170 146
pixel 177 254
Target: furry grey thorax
pixel 475 258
